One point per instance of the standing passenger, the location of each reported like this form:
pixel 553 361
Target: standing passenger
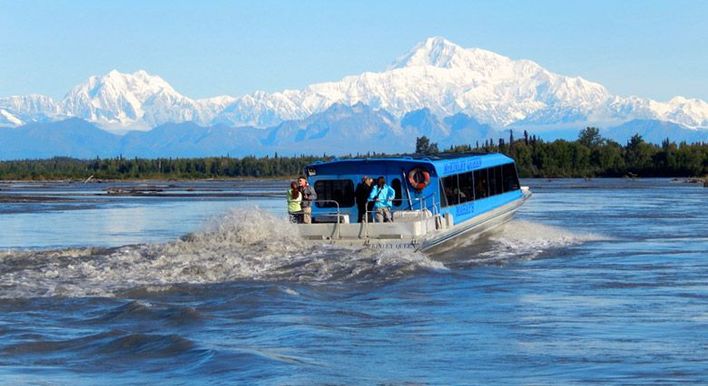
pixel 383 196
pixel 363 190
pixel 308 195
pixel 294 201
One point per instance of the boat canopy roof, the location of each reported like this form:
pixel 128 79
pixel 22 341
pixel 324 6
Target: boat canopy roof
pixel 441 164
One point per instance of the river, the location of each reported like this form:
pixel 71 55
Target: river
pixel 602 281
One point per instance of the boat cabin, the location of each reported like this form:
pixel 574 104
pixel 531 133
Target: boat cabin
pixel 463 185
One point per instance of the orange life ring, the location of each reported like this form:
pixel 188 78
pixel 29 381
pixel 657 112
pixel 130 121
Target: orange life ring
pixel 419 178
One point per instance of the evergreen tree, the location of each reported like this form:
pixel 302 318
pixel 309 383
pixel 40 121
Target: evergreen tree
pixel 590 137
pixel 424 146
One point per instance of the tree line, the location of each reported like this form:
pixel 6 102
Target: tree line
pixel 158 168
pixel 590 155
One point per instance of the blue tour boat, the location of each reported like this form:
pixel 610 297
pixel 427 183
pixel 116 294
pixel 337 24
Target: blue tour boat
pixel 437 199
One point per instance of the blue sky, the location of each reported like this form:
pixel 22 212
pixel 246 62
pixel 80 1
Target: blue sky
pixel 655 49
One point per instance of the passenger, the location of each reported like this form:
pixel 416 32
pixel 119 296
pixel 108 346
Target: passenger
pixel 308 195
pixel 383 196
pixel 361 194
pixel 294 201
pixel 480 189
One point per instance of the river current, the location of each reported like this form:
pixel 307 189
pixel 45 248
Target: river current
pixel 602 281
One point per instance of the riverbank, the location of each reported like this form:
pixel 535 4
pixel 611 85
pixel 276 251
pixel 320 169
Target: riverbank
pixel 66 191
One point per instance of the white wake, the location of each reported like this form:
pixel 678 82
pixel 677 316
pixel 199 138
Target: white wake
pixel 242 245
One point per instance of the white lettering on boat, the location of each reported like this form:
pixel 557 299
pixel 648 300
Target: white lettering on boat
pixel 454 167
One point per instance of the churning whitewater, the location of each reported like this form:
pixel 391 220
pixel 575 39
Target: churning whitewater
pixel 250 245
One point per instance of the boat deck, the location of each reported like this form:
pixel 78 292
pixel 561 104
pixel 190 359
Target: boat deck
pixel 416 229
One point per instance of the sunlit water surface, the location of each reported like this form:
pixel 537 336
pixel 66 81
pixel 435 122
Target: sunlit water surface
pixel 602 281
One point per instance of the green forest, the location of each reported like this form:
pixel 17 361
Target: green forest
pixel 590 155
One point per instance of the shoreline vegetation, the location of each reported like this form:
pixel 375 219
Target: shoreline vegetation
pixel 589 156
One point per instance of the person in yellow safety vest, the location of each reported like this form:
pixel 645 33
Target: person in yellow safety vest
pixel 294 203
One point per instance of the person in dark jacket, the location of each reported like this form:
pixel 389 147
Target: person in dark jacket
pixel 308 195
pixel 361 194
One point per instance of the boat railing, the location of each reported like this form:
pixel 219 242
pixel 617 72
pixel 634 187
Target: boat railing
pixel 368 213
pixel 423 204
pixel 337 230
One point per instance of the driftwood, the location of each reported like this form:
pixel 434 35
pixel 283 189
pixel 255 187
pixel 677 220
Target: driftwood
pixel 133 191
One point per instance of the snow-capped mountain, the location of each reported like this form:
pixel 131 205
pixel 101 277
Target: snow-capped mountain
pixel 436 75
pixel 448 79
pixel 137 101
pixel 115 101
pixel 18 110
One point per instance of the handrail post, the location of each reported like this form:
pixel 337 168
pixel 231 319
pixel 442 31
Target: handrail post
pixel 337 226
pixel 366 219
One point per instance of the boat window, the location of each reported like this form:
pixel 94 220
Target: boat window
pixel 492 182
pixel 450 190
pixel 511 179
pixel 341 191
pixel 495 181
pixel 500 180
pixel 466 187
pixel 443 198
pixel 481 184
pixel 396 185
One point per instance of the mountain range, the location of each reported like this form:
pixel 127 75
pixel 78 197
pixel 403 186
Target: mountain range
pixel 439 89
pixel 340 129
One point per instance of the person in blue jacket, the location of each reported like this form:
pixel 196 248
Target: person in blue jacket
pixel 382 195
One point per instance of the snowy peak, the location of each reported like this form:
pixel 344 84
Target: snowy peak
pixel 18 110
pixel 118 99
pixel 442 53
pixel 30 104
pixel 137 101
pixel 433 51
pixel 692 112
pixel 139 84
pixel 445 78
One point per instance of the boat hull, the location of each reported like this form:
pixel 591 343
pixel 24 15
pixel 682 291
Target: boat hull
pixel 424 237
pixel 473 228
